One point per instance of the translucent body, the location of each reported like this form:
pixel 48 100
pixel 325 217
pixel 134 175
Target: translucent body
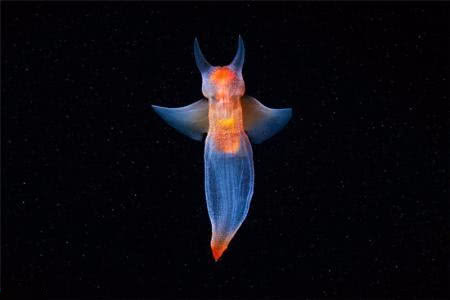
pixel 229 173
pixel 227 117
pixel 229 181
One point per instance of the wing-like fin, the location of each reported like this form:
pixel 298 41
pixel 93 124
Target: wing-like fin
pixel 191 120
pixel 261 122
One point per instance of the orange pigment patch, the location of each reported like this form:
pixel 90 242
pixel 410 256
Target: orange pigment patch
pixel 218 249
pixel 226 136
pixel 226 124
pixel 228 144
pixel 222 75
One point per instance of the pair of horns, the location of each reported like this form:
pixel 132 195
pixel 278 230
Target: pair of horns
pixel 204 66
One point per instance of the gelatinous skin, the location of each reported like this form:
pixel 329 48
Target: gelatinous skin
pixel 227 117
pixel 191 120
pixel 229 173
pixel 261 122
pixel 229 180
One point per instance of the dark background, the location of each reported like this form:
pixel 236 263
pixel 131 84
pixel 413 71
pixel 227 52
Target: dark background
pixel 101 197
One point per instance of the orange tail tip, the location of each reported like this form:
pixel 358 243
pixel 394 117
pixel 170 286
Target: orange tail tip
pixel 217 250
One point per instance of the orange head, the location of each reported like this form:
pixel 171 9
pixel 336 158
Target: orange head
pixel 222 76
pixel 221 81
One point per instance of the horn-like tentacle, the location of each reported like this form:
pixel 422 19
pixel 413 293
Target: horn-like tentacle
pixel 203 65
pixel 238 60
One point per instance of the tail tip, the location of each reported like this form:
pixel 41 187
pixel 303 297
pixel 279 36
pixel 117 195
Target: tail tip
pixel 217 251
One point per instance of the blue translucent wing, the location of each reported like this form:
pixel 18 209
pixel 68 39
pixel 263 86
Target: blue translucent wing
pixel 261 122
pixel 229 180
pixel 191 120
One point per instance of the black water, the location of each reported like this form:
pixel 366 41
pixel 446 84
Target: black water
pixel 101 198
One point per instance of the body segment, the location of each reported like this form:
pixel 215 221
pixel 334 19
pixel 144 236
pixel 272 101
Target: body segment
pixel 229 180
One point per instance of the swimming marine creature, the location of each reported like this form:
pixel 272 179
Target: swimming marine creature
pixel 229 118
